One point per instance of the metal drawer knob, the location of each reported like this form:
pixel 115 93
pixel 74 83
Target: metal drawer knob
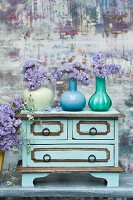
pixel 46 132
pixel 47 158
pixel 93 131
pixel 92 158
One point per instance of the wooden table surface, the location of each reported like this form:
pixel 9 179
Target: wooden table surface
pixel 70 185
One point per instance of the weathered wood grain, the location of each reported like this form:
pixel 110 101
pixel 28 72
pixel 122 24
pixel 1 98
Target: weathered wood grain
pixel 66 169
pixel 71 115
pixel 112 113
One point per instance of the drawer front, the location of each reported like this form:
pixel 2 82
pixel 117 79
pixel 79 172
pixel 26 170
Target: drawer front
pixel 47 129
pixel 93 129
pixel 66 156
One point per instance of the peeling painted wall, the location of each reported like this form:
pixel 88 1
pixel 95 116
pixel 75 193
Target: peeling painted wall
pixel 50 30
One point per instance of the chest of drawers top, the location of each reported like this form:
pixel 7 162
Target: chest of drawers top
pixel 86 113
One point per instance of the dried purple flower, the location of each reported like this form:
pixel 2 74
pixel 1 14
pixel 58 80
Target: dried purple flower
pixel 10 124
pixel 17 104
pixel 58 109
pixel 101 69
pixel 31 64
pixel 113 68
pixel 48 109
pixel 34 76
pixel 74 70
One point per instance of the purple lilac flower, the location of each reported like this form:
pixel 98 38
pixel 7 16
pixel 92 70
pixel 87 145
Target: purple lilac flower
pixel 9 141
pixel 10 124
pixel 99 73
pixel 17 123
pixel 34 76
pixel 5 110
pixel 79 65
pixel 31 64
pixel 101 69
pixel 73 70
pixel 46 73
pixel 113 68
pixel 53 81
pixel 17 104
pixel 48 109
pixel 58 74
pixel 58 109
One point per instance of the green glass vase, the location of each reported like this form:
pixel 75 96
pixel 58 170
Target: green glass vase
pixel 100 101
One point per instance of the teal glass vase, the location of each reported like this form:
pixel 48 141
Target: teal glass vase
pixel 72 100
pixel 100 101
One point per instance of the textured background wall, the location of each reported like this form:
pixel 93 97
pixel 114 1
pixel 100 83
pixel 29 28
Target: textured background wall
pixel 50 30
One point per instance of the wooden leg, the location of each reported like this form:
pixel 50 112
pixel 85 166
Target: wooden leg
pixel 111 178
pixel 28 178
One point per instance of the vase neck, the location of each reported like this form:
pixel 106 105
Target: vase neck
pixel 72 84
pixel 100 84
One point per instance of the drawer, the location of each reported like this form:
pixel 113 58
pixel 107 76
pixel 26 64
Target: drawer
pixel 71 156
pixel 47 129
pixel 93 129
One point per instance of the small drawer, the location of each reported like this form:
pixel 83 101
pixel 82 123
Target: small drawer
pixel 93 129
pixel 47 129
pixel 71 156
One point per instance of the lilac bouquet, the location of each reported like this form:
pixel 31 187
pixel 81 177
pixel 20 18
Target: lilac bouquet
pixel 74 70
pixel 10 124
pixel 101 69
pixel 34 76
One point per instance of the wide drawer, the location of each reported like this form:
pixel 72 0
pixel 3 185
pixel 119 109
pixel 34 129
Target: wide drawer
pixel 93 129
pixel 70 156
pixel 47 129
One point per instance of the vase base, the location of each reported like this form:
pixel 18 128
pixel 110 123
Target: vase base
pixel 73 110
pixel 99 110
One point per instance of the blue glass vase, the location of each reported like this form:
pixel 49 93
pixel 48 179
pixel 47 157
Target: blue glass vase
pixel 72 100
pixel 100 101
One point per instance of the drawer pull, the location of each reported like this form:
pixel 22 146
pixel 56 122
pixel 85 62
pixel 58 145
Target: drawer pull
pixel 47 158
pixel 93 131
pixel 92 158
pixel 46 132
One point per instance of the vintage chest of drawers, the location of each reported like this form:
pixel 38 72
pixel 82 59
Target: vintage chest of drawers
pixel 70 141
